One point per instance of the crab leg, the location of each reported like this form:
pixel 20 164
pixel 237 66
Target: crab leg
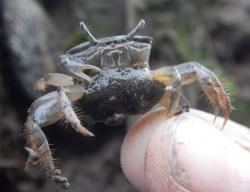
pixel 172 99
pixel 75 68
pixel 192 71
pixel 53 79
pixel 44 111
pixel 71 117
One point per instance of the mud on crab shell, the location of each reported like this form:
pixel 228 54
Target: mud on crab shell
pixel 109 79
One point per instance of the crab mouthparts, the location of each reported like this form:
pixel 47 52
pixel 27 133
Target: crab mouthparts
pixel 116 55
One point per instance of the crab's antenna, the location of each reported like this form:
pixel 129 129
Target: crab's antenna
pixel 84 29
pixel 137 28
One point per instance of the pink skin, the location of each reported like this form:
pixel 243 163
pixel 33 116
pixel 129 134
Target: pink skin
pixel 187 153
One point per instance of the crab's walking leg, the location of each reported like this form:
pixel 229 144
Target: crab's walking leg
pixel 210 84
pixel 71 117
pixel 172 99
pixel 53 79
pixel 44 111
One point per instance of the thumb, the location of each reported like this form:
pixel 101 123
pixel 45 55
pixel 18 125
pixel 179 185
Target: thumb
pixel 184 153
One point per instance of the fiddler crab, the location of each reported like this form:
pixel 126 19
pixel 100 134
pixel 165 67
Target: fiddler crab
pixel 109 79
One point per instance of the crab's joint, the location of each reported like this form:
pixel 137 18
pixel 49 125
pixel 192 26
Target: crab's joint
pixel 70 115
pixel 137 29
pixel 172 96
pixel 90 37
pixel 193 71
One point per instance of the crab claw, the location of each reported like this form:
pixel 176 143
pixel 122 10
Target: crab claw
pixel 75 67
pixel 82 130
pixel 71 117
pixel 92 68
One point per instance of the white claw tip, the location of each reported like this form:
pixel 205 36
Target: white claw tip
pixel 90 134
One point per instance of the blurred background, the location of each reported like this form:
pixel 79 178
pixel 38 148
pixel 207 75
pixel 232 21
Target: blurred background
pixel 33 33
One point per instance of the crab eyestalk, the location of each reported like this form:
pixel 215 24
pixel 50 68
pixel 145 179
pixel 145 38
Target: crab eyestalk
pixel 137 29
pixel 84 29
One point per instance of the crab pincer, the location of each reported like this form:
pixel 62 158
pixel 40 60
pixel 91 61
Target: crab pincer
pixel 70 116
pixel 76 68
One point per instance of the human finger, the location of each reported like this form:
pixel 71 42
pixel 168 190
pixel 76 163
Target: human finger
pixel 184 153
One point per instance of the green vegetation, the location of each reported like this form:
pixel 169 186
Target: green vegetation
pixel 77 38
pixel 202 55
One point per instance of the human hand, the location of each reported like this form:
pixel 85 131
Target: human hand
pixel 187 153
